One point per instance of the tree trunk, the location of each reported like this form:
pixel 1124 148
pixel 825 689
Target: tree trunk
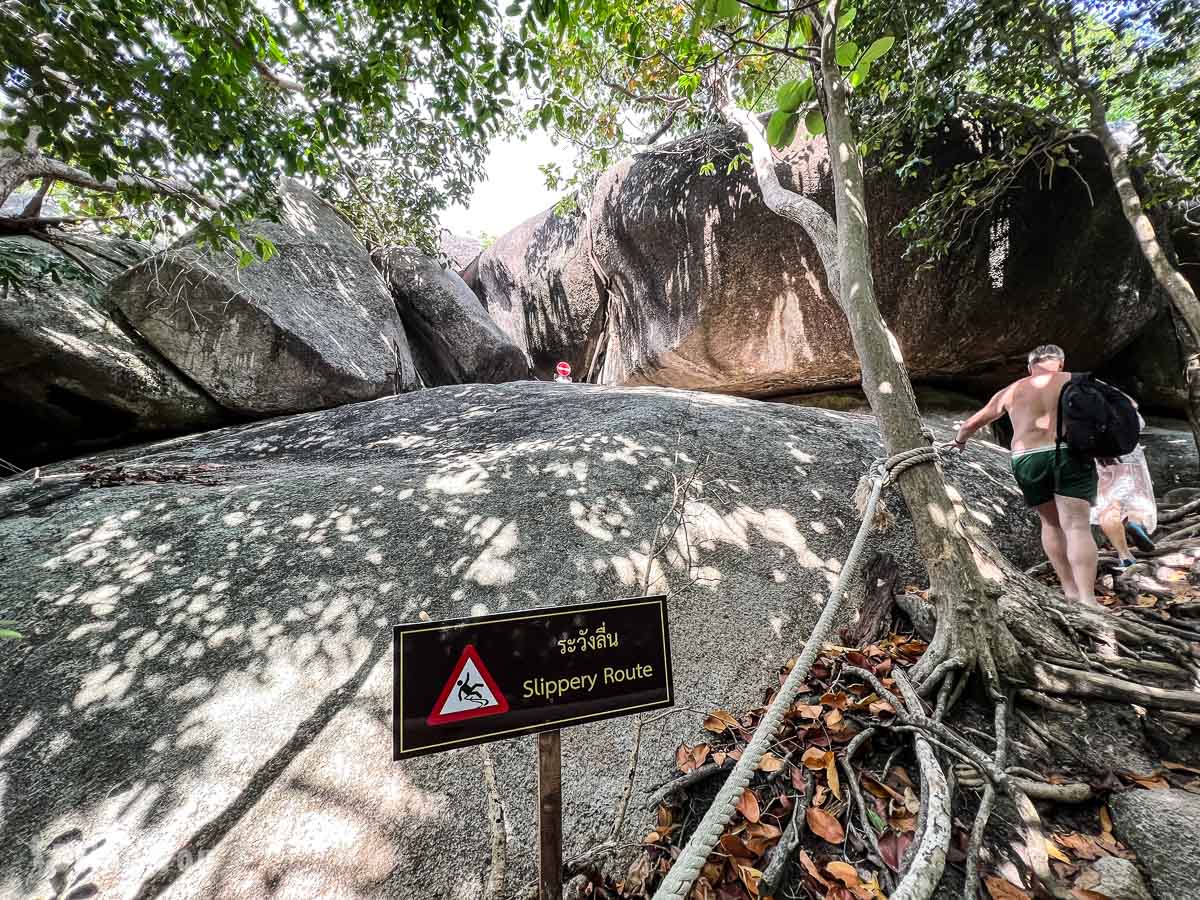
pixel 965 585
pixel 1183 298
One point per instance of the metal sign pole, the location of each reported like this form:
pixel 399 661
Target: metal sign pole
pixel 549 816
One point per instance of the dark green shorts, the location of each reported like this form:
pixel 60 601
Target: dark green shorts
pixel 1042 473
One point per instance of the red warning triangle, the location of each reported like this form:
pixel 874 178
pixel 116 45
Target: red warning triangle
pixel 469 693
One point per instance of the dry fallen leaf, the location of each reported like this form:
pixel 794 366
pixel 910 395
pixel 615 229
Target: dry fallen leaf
pixel 808 711
pixel 750 878
pixel 1105 820
pixel 824 825
pixel 719 720
pixel 811 868
pixel 735 847
pixel 816 758
pixel 831 774
pixel 1180 767
pixel 652 838
pixel 844 872
pixel 770 763
pixel 1054 853
pixel 999 889
pixel 893 846
pixel 748 805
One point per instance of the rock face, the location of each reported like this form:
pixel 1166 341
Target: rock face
pixel 699 285
pixel 1161 828
pixel 209 677
pixel 1115 878
pixel 71 374
pixel 1151 368
pixel 538 285
pixel 453 339
pixel 312 327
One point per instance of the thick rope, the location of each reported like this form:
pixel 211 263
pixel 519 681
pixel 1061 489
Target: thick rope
pixel 686 870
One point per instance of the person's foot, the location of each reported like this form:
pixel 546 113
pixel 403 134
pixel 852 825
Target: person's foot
pixel 1125 563
pixel 1138 537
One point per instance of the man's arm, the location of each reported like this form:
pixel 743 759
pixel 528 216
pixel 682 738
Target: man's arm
pixel 996 407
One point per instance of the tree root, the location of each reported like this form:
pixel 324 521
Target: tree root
pixel 786 848
pixel 494 889
pixel 864 821
pixel 929 859
pixel 1054 679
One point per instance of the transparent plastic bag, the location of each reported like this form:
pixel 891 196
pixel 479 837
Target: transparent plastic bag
pixel 1127 485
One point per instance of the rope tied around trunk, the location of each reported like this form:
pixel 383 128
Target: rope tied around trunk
pixel 686 870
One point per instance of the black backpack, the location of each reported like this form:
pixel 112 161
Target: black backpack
pixel 1095 419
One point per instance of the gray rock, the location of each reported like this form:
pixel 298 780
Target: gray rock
pixel 72 375
pixel 211 706
pixel 312 327
pixel 706 288
pixel 1115 878
pixel 1150 369
pixel 538 285
pixel 1180 496
pixel 460 250
pixel 1161 828
pixel 1170 454
pixel 453 339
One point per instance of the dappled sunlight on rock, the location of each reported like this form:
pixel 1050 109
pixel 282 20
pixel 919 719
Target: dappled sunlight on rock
pixel 205 630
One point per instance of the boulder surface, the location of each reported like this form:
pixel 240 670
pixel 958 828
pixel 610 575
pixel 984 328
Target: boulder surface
pixel 312 327
pixel 205 700
pixel 72 375
pixel 678 278
pixel 454 341
pixel 1161 828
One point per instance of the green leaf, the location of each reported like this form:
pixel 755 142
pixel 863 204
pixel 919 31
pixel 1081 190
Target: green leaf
pixel 9 634
pixel 878 48
pixel 846 18
pixel 876 821
pixel 782 128
pixel 806 29
pixel 814 122
pixel 847 53
pixel 729 9
pixel 708 168
pixel 245 258
pixel 859 75
pixel 883 93
pixel 794 93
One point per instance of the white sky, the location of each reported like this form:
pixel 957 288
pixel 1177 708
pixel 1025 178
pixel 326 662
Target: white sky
pixel 512 189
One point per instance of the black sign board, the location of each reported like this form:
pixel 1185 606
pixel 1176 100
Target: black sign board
pixel 469 681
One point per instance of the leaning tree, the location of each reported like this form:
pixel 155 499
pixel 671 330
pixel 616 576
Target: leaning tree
pixel 648 69
pixel 153 114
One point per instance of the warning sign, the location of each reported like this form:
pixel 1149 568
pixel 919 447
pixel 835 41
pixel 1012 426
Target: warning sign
pixel 460 682
pixel 470 692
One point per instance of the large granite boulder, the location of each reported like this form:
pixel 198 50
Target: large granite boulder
pixel 204 705
pixel 699 285
pixel 1150 369
pixel 72 375
pixel 453 339
pixel 1161 827
pixel 538 285
pixel 312 327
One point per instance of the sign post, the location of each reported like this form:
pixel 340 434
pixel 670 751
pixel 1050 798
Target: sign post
pixel 549 816
pixel 468 681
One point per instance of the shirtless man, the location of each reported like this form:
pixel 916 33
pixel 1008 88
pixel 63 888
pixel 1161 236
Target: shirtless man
pixel 1062 486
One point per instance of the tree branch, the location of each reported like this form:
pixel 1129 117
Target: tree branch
pixel 15 171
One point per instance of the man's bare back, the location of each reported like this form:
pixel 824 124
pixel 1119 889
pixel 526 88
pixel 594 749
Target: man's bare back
pixel 1032 405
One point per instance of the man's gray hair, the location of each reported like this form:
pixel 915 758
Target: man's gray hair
pixel 1046 351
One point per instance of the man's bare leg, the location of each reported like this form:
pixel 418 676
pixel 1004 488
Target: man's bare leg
pixel 1113 524
pixel 1054 542
pixel 1081 548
